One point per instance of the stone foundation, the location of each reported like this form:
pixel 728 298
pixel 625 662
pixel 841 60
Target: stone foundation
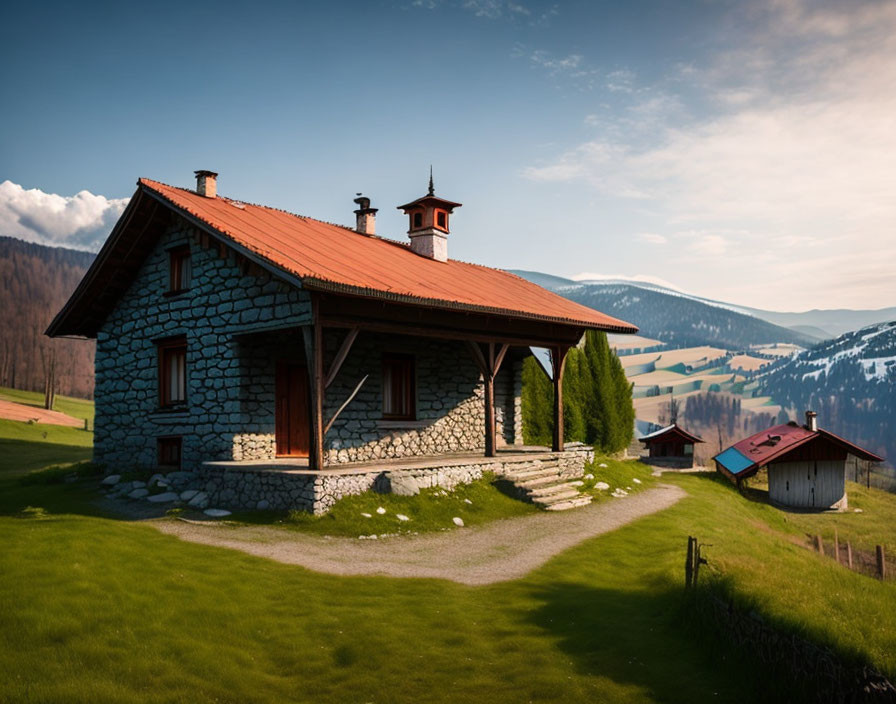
pixel 261 486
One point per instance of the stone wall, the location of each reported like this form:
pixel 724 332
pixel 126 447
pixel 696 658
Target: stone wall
pixel 248 488
pixel 221 302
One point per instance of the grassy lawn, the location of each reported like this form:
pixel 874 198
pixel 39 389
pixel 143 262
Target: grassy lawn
pixel 26 447
pixel 103 610
pixel 75 407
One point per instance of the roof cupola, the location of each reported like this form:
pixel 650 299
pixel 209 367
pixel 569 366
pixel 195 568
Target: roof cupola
pixel 428 223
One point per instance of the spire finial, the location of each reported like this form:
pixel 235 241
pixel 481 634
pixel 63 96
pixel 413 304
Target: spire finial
pixel 432 189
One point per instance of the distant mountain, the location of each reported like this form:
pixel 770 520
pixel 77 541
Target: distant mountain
pixel 817 324
pixel 849 382
pixel 35 282
pixel 679 320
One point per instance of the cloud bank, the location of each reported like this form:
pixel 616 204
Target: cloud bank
pixel 789 171
pixel 82 221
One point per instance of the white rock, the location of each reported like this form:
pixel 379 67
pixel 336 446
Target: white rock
pixel 589 476
pixel 381 510
pixel 216 512
pixel 162 498
pixel 458 521
pixel 628 488
pixel 155 477
pixel 111 480
pixel 188 494
pixel 619 493
pixel 401 517
pixel 366 515
pixel 636 480
pixel 577 483
pixel 602 464
pixel 138 493
pixel 601 486
pixel 467 501
pixel 857 510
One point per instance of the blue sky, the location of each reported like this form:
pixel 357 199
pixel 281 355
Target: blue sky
pixel 742 151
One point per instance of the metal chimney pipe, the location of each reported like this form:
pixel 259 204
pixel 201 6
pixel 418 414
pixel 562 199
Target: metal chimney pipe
pixel 811 421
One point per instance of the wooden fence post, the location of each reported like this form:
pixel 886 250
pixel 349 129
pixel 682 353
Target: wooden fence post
pixel 836 546
pixel 849 554
pixel 689 564
pixel 881 562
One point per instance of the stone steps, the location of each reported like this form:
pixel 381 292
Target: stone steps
pixel 543 485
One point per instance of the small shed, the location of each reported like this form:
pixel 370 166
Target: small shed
pixel 672 446
pixel 806 465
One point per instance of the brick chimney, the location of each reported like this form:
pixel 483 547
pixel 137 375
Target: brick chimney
pixel 428 220
pixel 206 183
pixel 811 421
pixel 365 216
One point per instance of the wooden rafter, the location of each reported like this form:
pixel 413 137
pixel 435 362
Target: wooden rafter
pixel 344 349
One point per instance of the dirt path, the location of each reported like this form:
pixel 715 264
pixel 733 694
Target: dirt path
pixel 494 552
pixel 10 410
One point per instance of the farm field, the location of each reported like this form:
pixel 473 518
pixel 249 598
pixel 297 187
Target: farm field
pixel 778 350
pixel 747 363
pixel 101 609
pixel 629 342
pixel 692 356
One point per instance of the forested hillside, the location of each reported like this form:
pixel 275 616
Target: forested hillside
pixel 678 320
pixel 35 282
pixel 850 382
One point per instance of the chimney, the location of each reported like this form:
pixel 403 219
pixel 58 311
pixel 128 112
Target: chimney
pixel 206 183
pixel 365 216
pixel 811 421
pixel 428 224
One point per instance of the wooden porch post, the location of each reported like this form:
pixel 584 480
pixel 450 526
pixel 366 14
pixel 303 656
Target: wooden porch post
pixel 489 364
pixel 314 355
pixel 558 362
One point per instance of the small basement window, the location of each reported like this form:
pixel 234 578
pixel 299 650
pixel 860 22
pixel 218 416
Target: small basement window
pixel 179 269
pixel 399 387
pixel 172 355
pixel 169 452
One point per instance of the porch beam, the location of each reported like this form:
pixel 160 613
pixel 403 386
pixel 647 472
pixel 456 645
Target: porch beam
pixel 340 356
pixel 450 333
pixel 558 362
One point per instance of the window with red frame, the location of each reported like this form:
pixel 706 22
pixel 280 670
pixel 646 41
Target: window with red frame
pixel 169 450
pixel 399 392
pixel 179 269
pixel 172 372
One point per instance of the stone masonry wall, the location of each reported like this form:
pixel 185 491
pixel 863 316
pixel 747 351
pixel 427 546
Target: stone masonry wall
pixel 221 302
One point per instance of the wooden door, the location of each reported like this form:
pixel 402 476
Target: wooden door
pixel 292 421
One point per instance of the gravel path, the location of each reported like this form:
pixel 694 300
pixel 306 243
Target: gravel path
pixel 493 552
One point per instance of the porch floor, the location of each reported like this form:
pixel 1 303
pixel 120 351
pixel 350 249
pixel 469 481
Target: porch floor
pixel 299 465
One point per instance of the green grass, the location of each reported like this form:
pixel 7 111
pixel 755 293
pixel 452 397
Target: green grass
pixel 102 610
pixel 75 407
pixel 618 474
pixel 26 447
pixel 431 510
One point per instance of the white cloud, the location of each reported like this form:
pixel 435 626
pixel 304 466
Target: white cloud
pixel 652 238
pixel 81 221
pixel 792 174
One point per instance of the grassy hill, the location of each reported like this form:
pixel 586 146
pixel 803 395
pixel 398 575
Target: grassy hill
pixel 102 609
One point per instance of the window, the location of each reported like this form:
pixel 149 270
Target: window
pixel 442 219
pixel 172 372
pixel 169 452
pixel 418 220
pixel 179 269
pixel 398 387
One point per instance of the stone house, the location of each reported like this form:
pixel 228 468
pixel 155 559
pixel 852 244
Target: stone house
pixel 259 347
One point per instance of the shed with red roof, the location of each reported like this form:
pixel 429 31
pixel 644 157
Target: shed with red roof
pixel 672 446
pixel 806 464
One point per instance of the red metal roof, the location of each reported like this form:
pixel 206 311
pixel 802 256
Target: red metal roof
pixel 336 258
pixel 760 449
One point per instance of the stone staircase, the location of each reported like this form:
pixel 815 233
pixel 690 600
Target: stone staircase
pixel 542 484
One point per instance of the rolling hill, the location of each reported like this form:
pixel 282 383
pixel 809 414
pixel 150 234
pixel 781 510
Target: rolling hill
pixel 849 381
